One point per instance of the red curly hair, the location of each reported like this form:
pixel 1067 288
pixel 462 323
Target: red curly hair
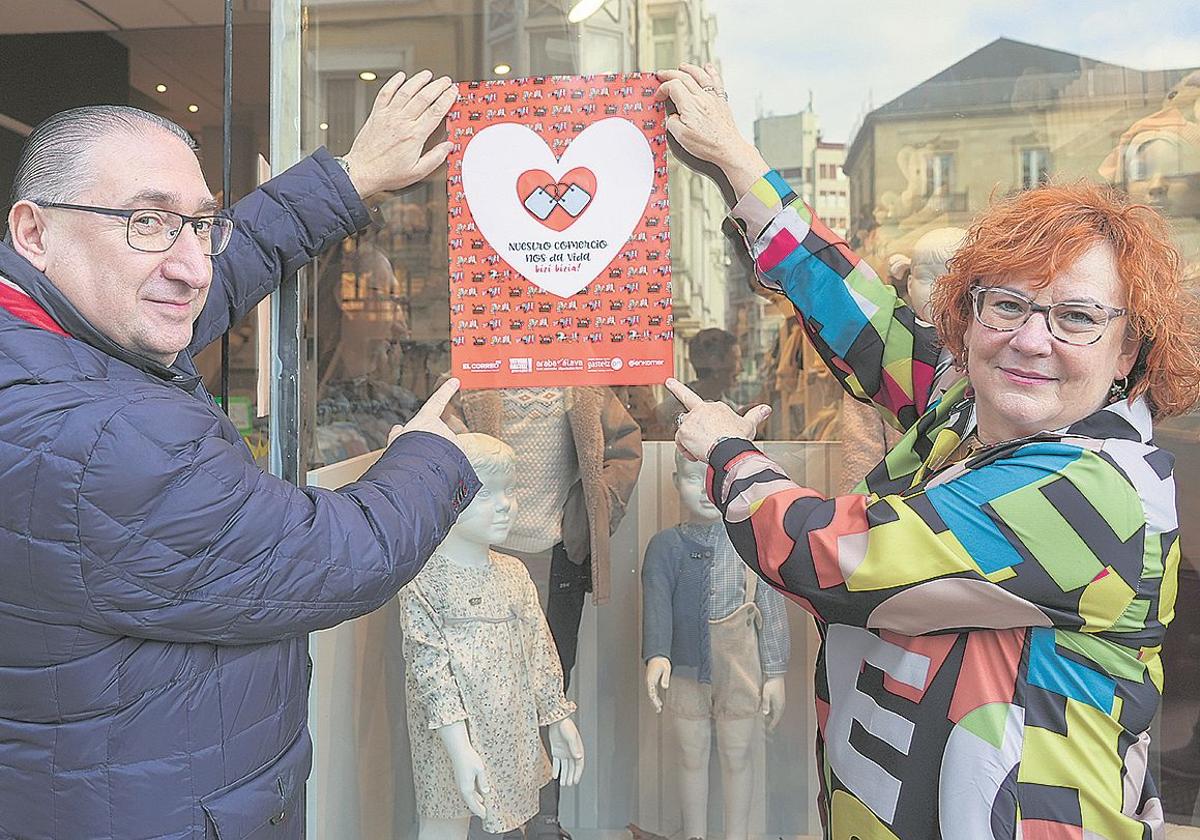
pixel 1040 232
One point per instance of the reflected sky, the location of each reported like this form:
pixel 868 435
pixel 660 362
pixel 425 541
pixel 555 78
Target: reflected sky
pixel 856 52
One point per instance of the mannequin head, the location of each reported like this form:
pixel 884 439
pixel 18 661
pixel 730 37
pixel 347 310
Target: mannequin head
pixel 690 480
pixel 1157 159
pixel 929 257
pixel 489 517
pixel 1162 169
pixel 717 359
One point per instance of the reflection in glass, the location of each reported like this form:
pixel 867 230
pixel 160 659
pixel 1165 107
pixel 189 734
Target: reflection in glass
pixel 1004 115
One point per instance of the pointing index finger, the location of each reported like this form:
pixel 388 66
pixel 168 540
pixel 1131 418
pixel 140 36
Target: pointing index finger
pixel 436 404
pixel 686 396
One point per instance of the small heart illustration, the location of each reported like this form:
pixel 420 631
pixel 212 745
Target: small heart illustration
pixel 518 224
pixel 556 204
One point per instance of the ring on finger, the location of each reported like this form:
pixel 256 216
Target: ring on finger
pixel 679 418
pixel 716 91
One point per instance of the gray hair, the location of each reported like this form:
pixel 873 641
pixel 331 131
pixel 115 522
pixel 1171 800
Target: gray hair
pixel 53 163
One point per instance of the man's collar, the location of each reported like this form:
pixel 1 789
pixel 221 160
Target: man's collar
pixel 21 274
pixel 14 300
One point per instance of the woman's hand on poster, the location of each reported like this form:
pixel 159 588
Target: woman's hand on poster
pixel 429 417
pixel 389 151
pixel 773 701
pixel 566 752
pixel 658 674
pixel 703 124
pixel 701 425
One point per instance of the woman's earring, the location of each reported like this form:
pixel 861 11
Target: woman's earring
pixel 1119 389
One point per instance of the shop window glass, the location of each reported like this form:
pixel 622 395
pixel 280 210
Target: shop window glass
pixel 994 116
pixel 1035 167
pixel 938 174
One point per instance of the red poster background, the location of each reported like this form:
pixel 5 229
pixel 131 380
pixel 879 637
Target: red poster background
pixel 506 332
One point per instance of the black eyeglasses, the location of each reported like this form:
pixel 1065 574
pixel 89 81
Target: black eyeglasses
pixel 153 231
pixel 1072 322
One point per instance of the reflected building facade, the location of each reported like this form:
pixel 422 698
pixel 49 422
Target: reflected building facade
pixel 1007 117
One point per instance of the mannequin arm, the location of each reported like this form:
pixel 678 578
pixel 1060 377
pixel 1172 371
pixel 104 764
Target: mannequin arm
pixel 659 573
pixel 774 636
pixel 545 671
pixel 658 672
pixel 469 772
pixel 566 750
pixel 773 701
pixel 427 658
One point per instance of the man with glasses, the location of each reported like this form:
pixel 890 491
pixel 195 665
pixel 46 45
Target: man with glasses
pixel 156 587
pixel 154 230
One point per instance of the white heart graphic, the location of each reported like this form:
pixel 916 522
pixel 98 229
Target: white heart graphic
pixel 613 149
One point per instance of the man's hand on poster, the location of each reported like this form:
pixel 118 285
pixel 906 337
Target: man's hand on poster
pixel 389 151
pixel 703 124
pixel 701 425
pixel 429 417
pixel 773 701
pixel 566 751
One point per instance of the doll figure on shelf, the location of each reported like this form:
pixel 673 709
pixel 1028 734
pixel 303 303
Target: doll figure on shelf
pixel 716 639
pixel 482 671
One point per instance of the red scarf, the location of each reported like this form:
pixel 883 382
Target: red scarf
pixel 27 309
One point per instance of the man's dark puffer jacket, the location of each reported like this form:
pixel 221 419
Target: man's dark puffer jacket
pixel 155 585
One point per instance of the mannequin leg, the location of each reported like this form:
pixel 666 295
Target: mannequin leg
pixel 475 832
pixel 441 829
pixel 695 743
pixel 735 742
pixel 567 590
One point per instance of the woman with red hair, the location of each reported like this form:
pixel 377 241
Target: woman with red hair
pixel 993 605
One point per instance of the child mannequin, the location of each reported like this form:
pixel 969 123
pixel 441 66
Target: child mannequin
pixel 711 634
pixel 482 671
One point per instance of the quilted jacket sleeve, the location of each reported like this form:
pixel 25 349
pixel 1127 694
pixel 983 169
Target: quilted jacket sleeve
pixel 181 538
pixel 280 226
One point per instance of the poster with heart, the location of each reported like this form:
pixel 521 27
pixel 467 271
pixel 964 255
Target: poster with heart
pixel 559 242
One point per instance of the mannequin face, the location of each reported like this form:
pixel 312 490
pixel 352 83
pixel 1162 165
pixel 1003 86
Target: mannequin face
pixel 929 257
pixel 920 283
pixel 1164 172
pixel 489 517
pixel 920 287
pixel 693 499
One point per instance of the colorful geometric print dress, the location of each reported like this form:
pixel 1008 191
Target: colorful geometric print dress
pixel 991 626
pixel 477 649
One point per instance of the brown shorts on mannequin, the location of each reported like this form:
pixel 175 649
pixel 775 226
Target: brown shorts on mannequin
pixel 693 700
pixel 736 689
